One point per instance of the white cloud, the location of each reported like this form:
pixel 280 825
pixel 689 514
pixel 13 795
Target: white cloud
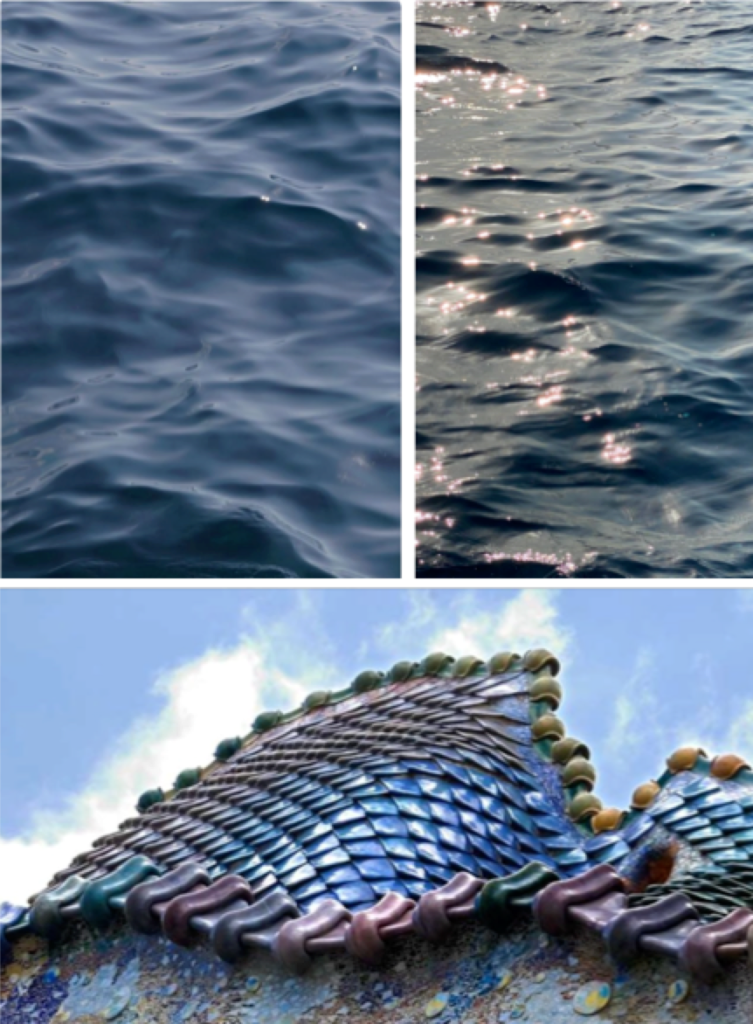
pixel 205 701
pixel 453 622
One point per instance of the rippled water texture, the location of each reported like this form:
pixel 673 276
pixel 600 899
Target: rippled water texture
pixel 201 289
pixel 585 272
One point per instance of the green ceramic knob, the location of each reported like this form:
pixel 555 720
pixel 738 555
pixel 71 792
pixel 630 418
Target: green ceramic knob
pixel 149 798
pixel 402 671
pixel 502 662
pixel 226 748
pixel 317 699
pixel 368 680
pixel 435 664
pixel 267 720
pixel 466 666
pixel 188 777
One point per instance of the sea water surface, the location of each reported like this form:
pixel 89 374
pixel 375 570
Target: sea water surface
pixel 585 275
pixel 201 289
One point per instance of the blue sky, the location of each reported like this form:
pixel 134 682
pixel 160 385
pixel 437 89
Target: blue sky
pixel 108 692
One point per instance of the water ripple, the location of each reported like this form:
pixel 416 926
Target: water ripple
pixel 201 289
pixel 585 291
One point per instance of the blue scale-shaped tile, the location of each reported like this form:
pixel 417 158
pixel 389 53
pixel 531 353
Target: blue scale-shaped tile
pixel 255 831
pixel 530 843
pixel 211 846
pixel 330 859
pixel 241 857
pixel 439 875
pixel 355 893
pixel 666 803
pixel 422 767
pixel 572 858
pixel 539 803
pixel 423 831
pixel 177 856
pixel 246 868
pixel 403 786
pixel 382 887
pixel 740 823
pixel 720 856
pixel 482 847
pixel 323 845
pixel 410 869
pixel 522 820
pixel 284 867
pixel 612 854
pixel 698 788
pixel 485 784
pixel 444 814
pixel 479 759
pixel 743 837
pixel 682 814
pixel 341 875
pixel 385 769
pixel 638 829
pixel 345 817
pixel 357 830
pixel 464 797
pixel 418 889
pixel 366 848
pixel 691 824
pixel 501 834
pixel 463 862
pixel 230 848
pixel 324 802
pixel 601 842
pixel 390 825
pixel 455 771
pixel 354 780
pixel 413 808
pixel 510 856
pixel 746 801
pixel 552 825
pixel 377 806
pixel 493 868
pixel 298 877
pixel 453 838
pixel 260 872
pixel 702 834
pixel 561 842
pixel 473 823
pixel 373 789
pixel 725 843
pixel 723 813
pixel 714 800
pixel 431 853
pixel 436 789
pixel 376 867
pixel 396 846
pixel 285 785
pixel 298 822
pixel 493 808
pixel 512 797
pixel 310 890
pixel 277 849
pixel 322 828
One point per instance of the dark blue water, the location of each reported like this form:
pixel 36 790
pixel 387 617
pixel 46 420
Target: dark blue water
pixel 201 289
pixel 585 273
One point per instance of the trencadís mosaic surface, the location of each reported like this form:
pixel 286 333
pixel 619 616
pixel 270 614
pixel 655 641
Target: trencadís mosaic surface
pixel 425 843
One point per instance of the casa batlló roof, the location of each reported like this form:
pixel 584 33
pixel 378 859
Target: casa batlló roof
pixel 409 803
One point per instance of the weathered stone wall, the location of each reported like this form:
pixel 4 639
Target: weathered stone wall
pixel 477 977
